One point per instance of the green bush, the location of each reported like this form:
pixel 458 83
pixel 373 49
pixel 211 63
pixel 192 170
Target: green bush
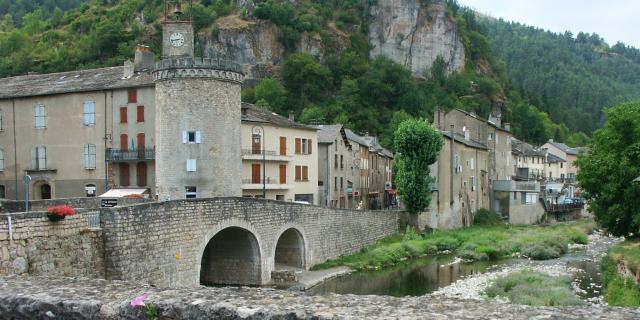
pixel 538 251
pixel 535 289
pixel 618 290
pixel 485 217
pixel 411 234
pixel 447 243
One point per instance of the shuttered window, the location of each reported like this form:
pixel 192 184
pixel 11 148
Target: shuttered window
pixel 1 159
pixel 123 114
pixel 283 174
pixel 140 114
pixel 89 156
pixel 132 96
pixel 39 158
pixel 298 173
pixel 283 146
pixel 298 146
pixel 141 174
pixel 191 165
pixel 305 173
pixel 89 113
pixel 124 142
pixel 124 174
pixel 41 116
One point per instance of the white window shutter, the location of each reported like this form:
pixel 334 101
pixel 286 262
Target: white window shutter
pixel 184 136
pixel 191 165
pixel 42 157
pixel 198 137
pixel 34 160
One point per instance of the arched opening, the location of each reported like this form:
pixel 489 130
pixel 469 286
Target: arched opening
pixel 41 190
pixel 45 191
pixel 290 250
pixel 231 257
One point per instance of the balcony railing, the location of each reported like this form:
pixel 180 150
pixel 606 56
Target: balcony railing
pixel 267 180
pixel 128 155
pixel 259 152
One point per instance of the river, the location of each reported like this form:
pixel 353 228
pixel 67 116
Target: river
pixel 447 275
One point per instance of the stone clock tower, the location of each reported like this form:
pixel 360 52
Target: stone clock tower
pixel 197 117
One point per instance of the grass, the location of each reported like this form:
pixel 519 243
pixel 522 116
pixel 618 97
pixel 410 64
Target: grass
pixel 475 243
pixel 534 289
pixel 621 290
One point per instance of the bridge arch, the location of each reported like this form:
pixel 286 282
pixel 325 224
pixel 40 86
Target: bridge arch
pixel 290 248
pixel 231 254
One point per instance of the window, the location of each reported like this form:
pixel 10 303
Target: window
pixel 561 164
pixel 341 183
pixel 283 146
pixel 456 163
pixel 89 156
pixel 124 174
pixel 529 198
pixel 141 174
pixel 283 174
pixel 2 192
pixel 191 165
pixel 41 116
pixel 302 173
pixel 191 137
pixel 335 183
pixel 132 96
pixel 190 192
pixel 89 112
pixel 335 161
pixel 140 114
pixel 490 137
pixel 472 182
pixel 303 146
pixel 39 158
pixel 335 143
pixel 341 162
pixel 123 114
pixel 1 159
pixel 1 118
pixel 515 196
pixel 124 142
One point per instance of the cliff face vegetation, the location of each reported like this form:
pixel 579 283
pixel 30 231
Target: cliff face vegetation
pixel 366 64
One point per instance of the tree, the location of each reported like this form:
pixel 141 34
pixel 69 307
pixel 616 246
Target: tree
pixel 607 171
pixel 417 146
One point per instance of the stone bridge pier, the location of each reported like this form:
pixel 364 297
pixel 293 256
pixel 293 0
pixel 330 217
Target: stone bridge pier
pixel 230 241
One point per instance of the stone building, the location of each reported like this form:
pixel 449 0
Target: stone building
pixel 337 173
pixel 566 153
pixel 529 162
pixel 55 127
pixel 283 151
pixel 461 185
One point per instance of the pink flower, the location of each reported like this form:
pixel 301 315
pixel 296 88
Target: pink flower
pixel 139 301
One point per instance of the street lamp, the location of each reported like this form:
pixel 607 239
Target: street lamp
pixel 259 130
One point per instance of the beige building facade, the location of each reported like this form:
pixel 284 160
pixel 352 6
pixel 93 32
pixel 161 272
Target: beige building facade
pixel 279 157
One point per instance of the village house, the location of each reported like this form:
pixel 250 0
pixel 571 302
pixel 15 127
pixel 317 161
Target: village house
pixel 279 157
pixel 529 161
pixel 336 173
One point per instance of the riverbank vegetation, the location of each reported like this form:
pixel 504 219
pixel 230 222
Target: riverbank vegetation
pixel 535 289
pixel 621 290
pixel 474 243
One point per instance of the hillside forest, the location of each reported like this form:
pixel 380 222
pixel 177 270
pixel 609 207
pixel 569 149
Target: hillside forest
pixel 549 85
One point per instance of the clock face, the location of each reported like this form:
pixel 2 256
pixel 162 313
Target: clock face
pixel 176 39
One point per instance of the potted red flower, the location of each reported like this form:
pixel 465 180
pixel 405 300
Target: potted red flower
pixel 59 212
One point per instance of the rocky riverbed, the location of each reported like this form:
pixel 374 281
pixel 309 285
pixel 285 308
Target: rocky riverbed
pixel 73 298
pixel 473 287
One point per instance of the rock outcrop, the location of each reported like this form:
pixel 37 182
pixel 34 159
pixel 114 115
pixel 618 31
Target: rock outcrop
pixel 414 33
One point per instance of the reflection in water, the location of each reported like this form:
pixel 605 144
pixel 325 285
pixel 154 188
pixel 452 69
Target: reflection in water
pixel 411 278
pixel 588 278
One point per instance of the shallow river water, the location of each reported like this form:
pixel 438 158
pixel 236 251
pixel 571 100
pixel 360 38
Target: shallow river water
pixel 449 276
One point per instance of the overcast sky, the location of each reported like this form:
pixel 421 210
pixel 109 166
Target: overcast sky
pixel 614 20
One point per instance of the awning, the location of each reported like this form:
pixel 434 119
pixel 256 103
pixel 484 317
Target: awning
pixel 120 193
pixel 391 191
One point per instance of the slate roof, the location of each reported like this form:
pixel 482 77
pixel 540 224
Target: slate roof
pixel 563 147
pixel 327 133
pixel 355 138
pixel 251 113
pixel 553 158
pixel 470 143
pixel 71 81
pixel 522 148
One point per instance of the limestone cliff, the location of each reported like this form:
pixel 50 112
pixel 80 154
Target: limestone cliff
pixel 411 32
pixel 414 33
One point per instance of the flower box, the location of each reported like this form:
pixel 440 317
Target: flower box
pixel 59 212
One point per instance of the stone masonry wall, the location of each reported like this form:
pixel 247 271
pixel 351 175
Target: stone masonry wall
pixel 78 203
pixel 163 243
pixel 41 247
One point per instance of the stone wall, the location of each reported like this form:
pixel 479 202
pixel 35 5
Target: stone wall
pixel 41 247
pixel 163 243
pixel 39 298
pixel 78 203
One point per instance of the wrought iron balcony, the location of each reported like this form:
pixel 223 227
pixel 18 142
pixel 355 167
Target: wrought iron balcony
pixel 130 155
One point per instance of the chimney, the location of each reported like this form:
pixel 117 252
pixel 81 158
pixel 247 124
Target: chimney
pixel 292 117
pixel 507 126
pixel 128 69
pixel 143 59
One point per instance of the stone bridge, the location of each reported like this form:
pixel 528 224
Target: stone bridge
pixel 230 240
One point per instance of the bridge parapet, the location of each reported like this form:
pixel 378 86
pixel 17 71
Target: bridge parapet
pixel 164 243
